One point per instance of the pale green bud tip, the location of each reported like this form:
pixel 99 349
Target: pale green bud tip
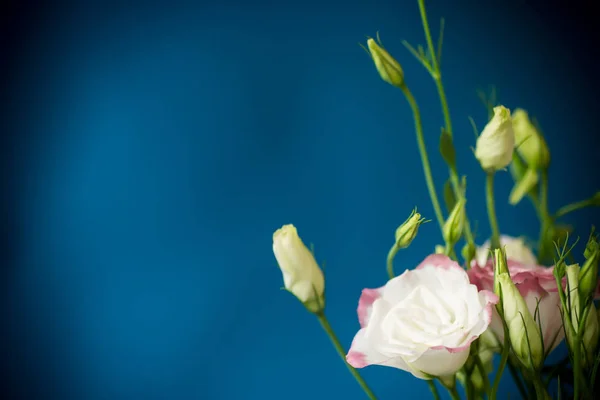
pixel 389 69
pixel 500 268
pixel 454 225
pixel 407 232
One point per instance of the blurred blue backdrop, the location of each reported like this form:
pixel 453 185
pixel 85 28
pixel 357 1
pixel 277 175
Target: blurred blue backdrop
pixel 155 148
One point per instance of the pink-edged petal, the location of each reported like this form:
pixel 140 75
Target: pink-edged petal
pixel 365 304
pixel 439 261
pixel 362 353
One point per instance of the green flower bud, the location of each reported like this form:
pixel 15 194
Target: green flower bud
pixel 495 146
pixel 389 69
pixel 407 232
pixel 454 225
pixel 524 333
pixel 500 267
pixel 591 327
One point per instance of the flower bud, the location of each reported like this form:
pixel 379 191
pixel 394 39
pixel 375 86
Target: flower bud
pixel 389 69
pixel 495 145
pixel 469 252
pixel 591 328
pixel 301 275
pixel 530 143
pixel 523 331
pixel 439 249
pixel 454 225
pixel 407 232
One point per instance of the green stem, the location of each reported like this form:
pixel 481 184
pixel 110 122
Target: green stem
pixel 546 219
pixel 503 360
pixel 569 208
pixel 577 370
pixel 433 389
pixel 454 393
pixel 483 373
pixel 437 77
pixel 390 261
pixel 338 346
pixel 492 210
pixel 517 379
pixel 424 158
pixel 540 391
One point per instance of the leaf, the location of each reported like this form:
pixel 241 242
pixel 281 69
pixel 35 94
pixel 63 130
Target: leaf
pixel 447 148
pixel 449 197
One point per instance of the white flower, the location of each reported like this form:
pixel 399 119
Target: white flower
pixel 301 274
pixel 422 321
pixel 516 250
pixel 496 144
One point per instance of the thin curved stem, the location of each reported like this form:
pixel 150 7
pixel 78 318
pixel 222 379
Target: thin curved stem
pixel 424 158
pixel 569 208
pixel 338 346
pixel 436 74
pixel 503 360
pixel 491 209
pixel 390 261
pixel 433 389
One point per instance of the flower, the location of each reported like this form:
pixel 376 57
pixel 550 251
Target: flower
pixel 422 321
pixel 389 69
pixel 538 288
pixel 515 247
pixel 301 274
pixel 531 145
pixel 495 145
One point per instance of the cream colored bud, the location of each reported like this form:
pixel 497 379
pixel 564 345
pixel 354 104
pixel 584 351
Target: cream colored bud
pixel 301 274
pixel 495 145
pixel 389 69
pixel 530 144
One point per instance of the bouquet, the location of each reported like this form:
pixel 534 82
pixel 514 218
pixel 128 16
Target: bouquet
pixel 446 319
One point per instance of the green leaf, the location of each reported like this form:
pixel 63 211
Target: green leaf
pixel 447 148
pixel 449 197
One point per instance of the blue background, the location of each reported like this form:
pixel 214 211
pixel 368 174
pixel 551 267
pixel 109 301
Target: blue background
pixel 152 150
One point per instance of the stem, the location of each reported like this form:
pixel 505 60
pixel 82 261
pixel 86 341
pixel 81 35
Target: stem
pixel 577 370
pixel 515 375
pixel 492 210
pixel 483 373
pixel 454 393
pixel 569 208
pixel 437 77
pixel 546 220
pixel 424 158
pixel 503 359
pixel 433 389
pixel 338 346
pixel 390 261
pixel 540 390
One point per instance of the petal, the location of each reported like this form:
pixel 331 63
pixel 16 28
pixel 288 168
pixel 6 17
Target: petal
pixel 365 304
pixel 441 362
pixel 362 353
pixel 548 316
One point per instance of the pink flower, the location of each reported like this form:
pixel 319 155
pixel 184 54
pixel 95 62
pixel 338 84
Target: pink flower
pixel 538 287
pixel 422 321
